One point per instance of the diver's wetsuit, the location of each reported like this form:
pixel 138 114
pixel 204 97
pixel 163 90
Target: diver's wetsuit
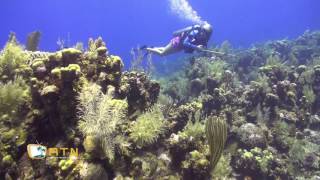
pixel 190 40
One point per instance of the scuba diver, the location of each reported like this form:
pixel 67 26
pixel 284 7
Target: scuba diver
pixel 190 39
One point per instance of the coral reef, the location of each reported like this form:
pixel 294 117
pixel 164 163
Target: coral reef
pixel 63 99
pixel 269 95
pixel 242 114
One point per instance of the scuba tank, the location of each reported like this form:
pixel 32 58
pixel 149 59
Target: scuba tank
pixel 185 30
pixel 200 36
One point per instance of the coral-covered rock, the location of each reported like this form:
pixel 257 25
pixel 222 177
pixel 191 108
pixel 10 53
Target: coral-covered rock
pixel 272 100
pixel 141 92
pixel 90 171
pixel 315 122
pixel 288 116
pixel 311 161
pixel 253 96
pixel 70 56
pixel 196 166
pixel 180 117
pixel 196 86
pixel 287 93
pixel 312 136
pixel 251 136
pixel 179 147
pixel 212 84
pixel 50 91
pixel 213 103
pixel 102 51
pixel 258 163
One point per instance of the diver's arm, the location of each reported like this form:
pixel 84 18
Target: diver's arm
pixel 188 43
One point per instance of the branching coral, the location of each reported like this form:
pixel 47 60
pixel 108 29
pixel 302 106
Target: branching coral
pixel 79 46
pixel 12 95
pixel 309 94
pixel 176 88
pixel 223 168
pixel 166 104
pixel 95 48
pixel 274 61
pixel 100 116
pixel 306 75
pixel 33 41
pixel 138 56
pixel 274 68
pixel 193 129
pixel 262 81
pixel 283 133
pixel 298 151
pixel 216 132
pixel 148 127
pixel 93 45
pixel 216 68
pixel 11 59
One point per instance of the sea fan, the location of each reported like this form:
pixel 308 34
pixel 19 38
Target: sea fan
pixel 216 132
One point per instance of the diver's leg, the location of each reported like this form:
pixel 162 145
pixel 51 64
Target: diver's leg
pixel 157 50
pixel 170 49
pixel 163 51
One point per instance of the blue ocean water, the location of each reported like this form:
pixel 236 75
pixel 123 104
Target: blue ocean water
pixel 124 24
